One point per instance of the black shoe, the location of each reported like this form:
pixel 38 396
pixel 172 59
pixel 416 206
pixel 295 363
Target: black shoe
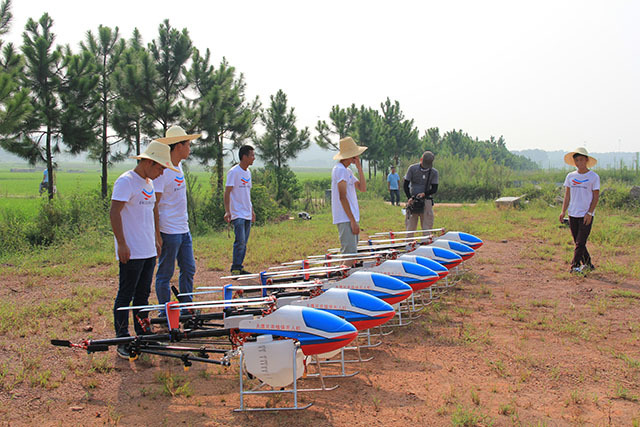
pixel 122 351
pixel 239 272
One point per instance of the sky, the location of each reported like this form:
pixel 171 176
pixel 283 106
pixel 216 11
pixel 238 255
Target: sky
pixel 546 74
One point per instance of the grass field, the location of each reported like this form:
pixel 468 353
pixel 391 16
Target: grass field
pixel 19 190
pixel 54 292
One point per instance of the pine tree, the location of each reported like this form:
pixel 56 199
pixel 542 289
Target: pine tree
pixel 14 100
pixel 220 111
pixel 62 88
pixel 282 140
pixel 342 121
pixel 128 119
pixel 106 50
pixel 163 81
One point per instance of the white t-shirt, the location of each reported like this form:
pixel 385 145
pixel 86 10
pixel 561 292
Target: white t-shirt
pixel 341 173
pixel 172 208
pixel 137 214
pixel 240 196
pixel 582 187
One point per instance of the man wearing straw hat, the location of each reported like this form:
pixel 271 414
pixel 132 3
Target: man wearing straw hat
pixel 582 190
pixel 344 201
pixel 172 219
pixel 133 225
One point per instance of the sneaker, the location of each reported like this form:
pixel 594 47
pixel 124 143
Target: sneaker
pixel 239 272
pixel 576 270
pixel 122 351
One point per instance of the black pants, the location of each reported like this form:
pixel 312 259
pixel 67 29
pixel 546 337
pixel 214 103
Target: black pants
pixel 135 285
pixel 580 233
pixel 395 195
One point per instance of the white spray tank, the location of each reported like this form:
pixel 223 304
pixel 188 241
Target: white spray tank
pixel 272 361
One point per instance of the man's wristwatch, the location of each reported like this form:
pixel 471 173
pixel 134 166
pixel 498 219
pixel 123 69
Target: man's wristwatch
pixel 591 213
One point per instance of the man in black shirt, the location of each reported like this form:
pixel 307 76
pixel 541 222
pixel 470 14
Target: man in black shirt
pixel 420 184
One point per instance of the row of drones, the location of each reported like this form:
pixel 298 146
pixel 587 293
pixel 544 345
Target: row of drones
pixel 301 316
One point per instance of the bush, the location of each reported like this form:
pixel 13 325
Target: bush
pixel 57 221
pixel 212 212
pixel 290 190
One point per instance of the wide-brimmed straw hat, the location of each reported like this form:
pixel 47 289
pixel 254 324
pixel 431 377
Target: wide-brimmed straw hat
pixel 348 149
pixel 159 153
pixel 568 158
pixel 176 134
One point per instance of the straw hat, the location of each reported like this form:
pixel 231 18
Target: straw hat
pixel 177 134
pixel 159 153
pixel 348 149
pixel 568 158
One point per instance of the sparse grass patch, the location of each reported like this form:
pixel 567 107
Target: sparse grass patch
pixel 507 409
pixel 174 385
pixel 599 306
pixel 622 293
pixel 517 313
pixel 575 398
pixel 475 397
pixel 498 367
pixel 621 392
pixel 469 417
pixel 544 303
pixel 630 361
pixel 102 364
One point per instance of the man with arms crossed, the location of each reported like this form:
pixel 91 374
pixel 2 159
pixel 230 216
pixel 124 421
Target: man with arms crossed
pixel 132 222
pixel 238 209
pixel 344 201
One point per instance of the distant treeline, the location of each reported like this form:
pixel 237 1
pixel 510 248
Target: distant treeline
pixel 109 96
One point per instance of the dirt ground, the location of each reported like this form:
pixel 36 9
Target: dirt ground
pixel 518 342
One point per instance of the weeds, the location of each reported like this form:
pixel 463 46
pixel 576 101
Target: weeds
pixel 467 418
pixel 621 392
pixel 174 385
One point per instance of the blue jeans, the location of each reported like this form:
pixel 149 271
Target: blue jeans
pixel 175 247
pixel 135 285
pixel 241 228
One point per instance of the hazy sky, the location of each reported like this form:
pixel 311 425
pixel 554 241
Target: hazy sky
pixel 545 74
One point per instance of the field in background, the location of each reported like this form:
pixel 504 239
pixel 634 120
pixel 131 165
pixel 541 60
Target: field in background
pixel 19 190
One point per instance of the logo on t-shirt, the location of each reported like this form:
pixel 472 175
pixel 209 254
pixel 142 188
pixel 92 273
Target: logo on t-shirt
pixel 147 195
pixel 245 181
pixel 575 181
pixel 179 180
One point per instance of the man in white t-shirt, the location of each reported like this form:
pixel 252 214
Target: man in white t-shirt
pixel 344 201
pixel 172 220
pixel 582 191
pixel 133 225
pixel 238 209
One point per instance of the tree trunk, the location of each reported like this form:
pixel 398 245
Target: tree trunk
pixel 105 151
pixel 49 164
pixel 219 162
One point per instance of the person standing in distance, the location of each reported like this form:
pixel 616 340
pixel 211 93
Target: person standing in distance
pixel 133 225
pixel 344 200
pixel 420 184
pixel 238 209
pixel 392 184
pixel 582 191
pixel 172 219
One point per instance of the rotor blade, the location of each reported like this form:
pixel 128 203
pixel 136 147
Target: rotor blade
pixel 386 233
pixel 189 304
pixel 279 274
